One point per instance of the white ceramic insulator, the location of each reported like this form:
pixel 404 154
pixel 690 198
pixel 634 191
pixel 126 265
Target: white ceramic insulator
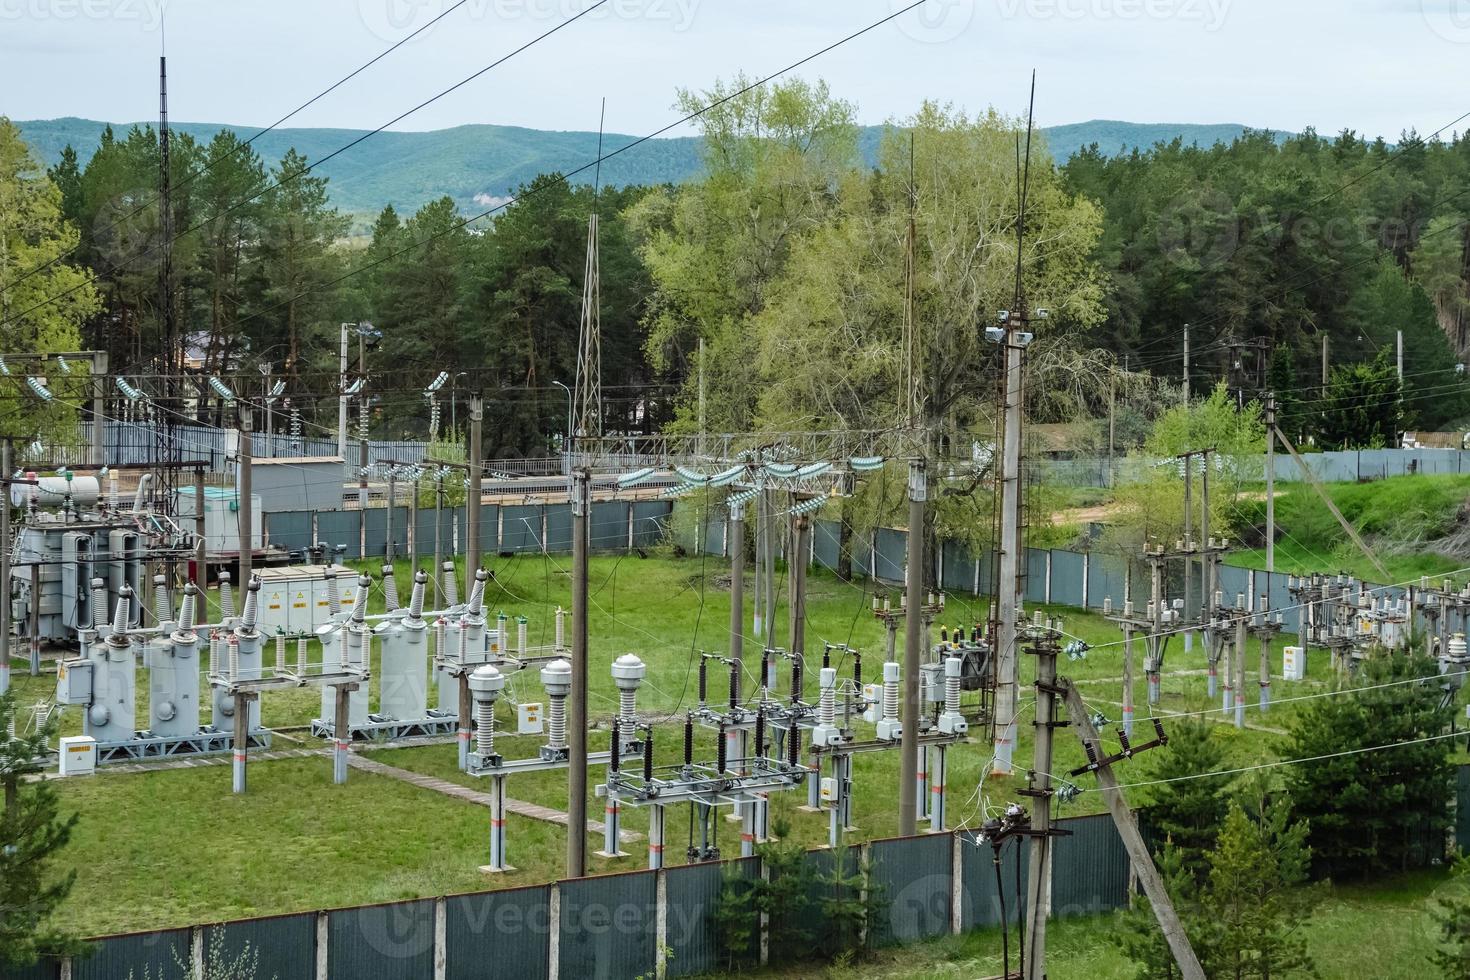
pixel 521 637
pixel 390 589
pixel 301 655
pixel 556 722
pixel 439 638
pixel 280 653
pixel 561 628
pixel 234 660
pixel 186 611
pixel 226 598
pixel 628 704
pixel 485 726
pixel 120 618
pixel 99 602
pixel 161 611
pixel 252 605
pixel 334 595
pixel 464 644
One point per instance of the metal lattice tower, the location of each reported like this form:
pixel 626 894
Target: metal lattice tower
pixel 166 433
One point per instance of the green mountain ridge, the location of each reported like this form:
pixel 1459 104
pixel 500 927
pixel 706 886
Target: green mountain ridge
pixel 479 165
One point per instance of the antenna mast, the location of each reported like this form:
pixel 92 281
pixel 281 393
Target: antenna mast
pixel 587 426
pixel 166 428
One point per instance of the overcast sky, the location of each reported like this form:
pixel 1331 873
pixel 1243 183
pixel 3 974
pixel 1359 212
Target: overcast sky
pixel 1378 66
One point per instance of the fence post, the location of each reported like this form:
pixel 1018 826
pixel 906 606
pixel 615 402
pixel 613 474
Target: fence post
pixel 957 883
pixel 1048 575
pixel 441 938
pixel 661 928
pixel 196 949
pixel 553 925
pixel 323 941
pixel 1087 574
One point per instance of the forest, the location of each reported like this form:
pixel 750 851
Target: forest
pixel 792 265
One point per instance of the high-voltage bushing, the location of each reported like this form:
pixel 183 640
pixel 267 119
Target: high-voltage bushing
pixel 462 643
pixel 826 731
pixel 390 590
pixel 1455 663
pixel 241 650
pixel 627 672
pixel 890 729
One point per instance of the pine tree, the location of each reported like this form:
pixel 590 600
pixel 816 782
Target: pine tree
pixel 1139 937
pixel 32 831
pixel 1188 813
pixel 1452 916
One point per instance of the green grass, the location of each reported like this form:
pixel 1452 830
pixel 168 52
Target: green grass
pixel 1383 931
pixel 175 847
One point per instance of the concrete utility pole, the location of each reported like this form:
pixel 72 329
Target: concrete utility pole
pixel 1271 481
pixel 4 567
pixel 1039 789
pixel 1141 861
pixel 246 511
pixel 342 396
pixel 800 526
pixel 908 787
pixel 472 502
pixel 577 703
pixel 201 574
pixel 1010 557
pixel 1325 366
pixel 1186 364
pixel 1188 538
pixel 99 406
pixel 737 607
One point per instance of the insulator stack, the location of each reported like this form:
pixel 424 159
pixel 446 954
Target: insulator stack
pixel 857 670
pixel 616 759
pixel 627 704
pixel 796 679
pixel 952 685
pixel 760 734
pixel 416 598
pixel 234 657
pixel 561 628
pixel 99 601
pixel 162 608
pixel 890 690
pixel 186 611
pixel 390 589
pixel 556 677
pixel 827 656
pixel 301 654
pixel 252 604
pixel 477 592
pixel 827 703
pixel 439 627
pixel 226 596
pixel 485 727
pixel 280 653
pixel 720 758
pixel 464 644
pixel 689 738
pixel 522 644
pixel 451 584
pixel 359 601
pixel 334 595
pixel 793 745
pixel 648 757
pixel 120 618
pixel 627 673
pixel 703 681
pixel 734 685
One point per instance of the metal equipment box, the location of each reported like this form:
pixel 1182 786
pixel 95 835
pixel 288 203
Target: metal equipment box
pixel 77 754
pixel 529 720
pixel 74 682
pixel 293 599
pixel 222 519
pixel 1294 663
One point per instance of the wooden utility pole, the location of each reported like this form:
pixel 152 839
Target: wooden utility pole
pixel 1039 789
pixel 577 703
pixel 1311 478
pixel 246 511
pixel 1186 364
pixel 1142 861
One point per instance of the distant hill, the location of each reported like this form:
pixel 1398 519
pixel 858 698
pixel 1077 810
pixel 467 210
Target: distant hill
pixel 478 164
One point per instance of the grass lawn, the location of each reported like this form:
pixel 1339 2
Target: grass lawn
pixel 1384 932
pixel 175 847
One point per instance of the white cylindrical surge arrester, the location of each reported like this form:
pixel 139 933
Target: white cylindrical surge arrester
pixel 99 604
pixel 627 673
pixel 826 731
pixel 556 677
pixel 280 653
pixel 561 629
pixel 951 722
pixel 301 655
pixel 486 683
pixel 889 727
pixel 521 636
